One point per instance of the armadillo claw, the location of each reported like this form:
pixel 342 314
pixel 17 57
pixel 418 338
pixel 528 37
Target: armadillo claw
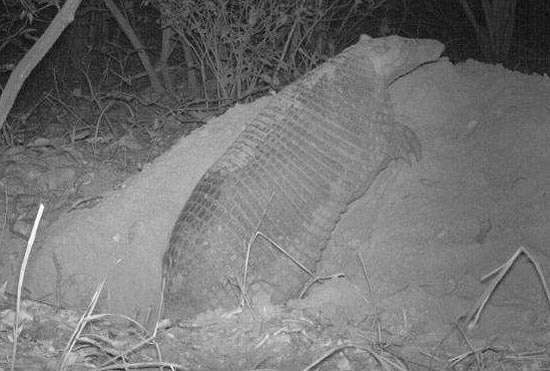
pixel 403 142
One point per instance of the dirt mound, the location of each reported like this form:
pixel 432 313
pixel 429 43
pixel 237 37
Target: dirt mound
pixel 122 239
pixel 414 248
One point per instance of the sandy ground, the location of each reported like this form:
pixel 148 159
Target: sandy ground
pixel 426 235
pixel 410 253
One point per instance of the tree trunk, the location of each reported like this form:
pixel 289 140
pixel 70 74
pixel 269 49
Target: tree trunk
pixel 138 46
pixel 34 56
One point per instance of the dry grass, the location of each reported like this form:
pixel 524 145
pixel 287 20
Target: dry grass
pixel 106 348
pixel 251 45
pixel 74 353
pixel 23 269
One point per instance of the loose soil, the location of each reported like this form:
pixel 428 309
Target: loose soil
pixel 404 265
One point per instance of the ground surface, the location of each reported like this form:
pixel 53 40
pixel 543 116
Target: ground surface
pixel 406 259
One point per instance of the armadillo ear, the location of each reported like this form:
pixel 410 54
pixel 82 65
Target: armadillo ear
pixel 364 37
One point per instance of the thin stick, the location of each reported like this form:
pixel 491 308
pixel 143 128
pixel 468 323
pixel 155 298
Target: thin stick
pixel 81 325
pixel 5 216
pixel 475 352
pixel 30 243
pixel 500 272
pixel 316 279
pixel 287 44
pixel 319 360
pixel 364 269
pixel 457 359
pixel 473 318
pixel 249 247
pixel 303 267
pixel 382 360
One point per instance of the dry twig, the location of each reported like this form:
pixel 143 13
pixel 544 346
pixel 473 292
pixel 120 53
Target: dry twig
pixel 500 272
